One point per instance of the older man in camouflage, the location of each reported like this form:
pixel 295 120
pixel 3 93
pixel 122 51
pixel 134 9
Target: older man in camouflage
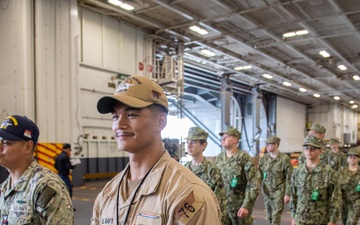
pixel 315 189
pixel 327 156
pixel 350 188
pixel 239 176
pixel 205 169
pixel 274 172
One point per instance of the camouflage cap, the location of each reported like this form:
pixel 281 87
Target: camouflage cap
pixel 318 128
pixel 196 133
pixel 334 140
pixel 313 141
pixel 272 140
pixel 231 131
pixel 353 151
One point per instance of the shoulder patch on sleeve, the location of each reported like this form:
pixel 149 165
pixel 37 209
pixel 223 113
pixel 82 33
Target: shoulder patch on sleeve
pixel 45 196
pixel 188 208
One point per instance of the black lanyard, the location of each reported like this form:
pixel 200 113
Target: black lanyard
pixel 133 197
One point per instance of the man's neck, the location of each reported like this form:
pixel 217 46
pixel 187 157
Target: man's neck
pixel 311 164
pixel 197 160
pixel 353 167
pixel 141 163
pixel 274 153
pixel 335 150
pixel 232 151
pixel 16 173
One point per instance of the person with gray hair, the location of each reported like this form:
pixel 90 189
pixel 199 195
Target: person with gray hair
pixel 32 194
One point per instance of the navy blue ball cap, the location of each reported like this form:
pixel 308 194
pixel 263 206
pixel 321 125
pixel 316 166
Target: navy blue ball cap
pixel 18 128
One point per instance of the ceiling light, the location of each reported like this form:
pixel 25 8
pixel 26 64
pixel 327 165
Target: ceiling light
pixel 354 106
pixel 289 34
pixel 268 76
pixel 302 90
pixel 207 53
pixel 316 95
pixel 286 83
pixel 127 6
pixel 356 77
pixel 121 4
pixel 301 32
pixel 324 54
pixel 198 30
pixel 115 2
pixel 243 67
pixel 351 102
pixel 342 67
pixel 336 97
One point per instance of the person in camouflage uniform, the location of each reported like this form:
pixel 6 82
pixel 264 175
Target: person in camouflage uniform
pixel 350 188
pixel 274 172
pixel 340 155
pixel 327 156
pixel 32 194
pixel 239 176
pixel 205 169
pixel 315 189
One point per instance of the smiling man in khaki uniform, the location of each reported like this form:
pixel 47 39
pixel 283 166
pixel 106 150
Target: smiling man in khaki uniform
pixel 153 188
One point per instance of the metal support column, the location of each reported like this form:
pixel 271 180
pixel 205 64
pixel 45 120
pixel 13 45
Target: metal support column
pixel 257 101
pixel 226 93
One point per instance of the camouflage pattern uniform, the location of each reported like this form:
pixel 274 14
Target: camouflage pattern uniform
pixel 316 195
pixel 210 174
pixel 243 193
pixel 275 175
pixel 350 194
pixel 340 155
pixel 39 197
pixel 327 156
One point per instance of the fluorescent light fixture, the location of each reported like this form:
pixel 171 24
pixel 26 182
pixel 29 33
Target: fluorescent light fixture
pixel 337 98
pixel 302 90
pixel 127 6
pixel 324 54
pixel 207 53
pixel 356 77
pixel 289 34
pixel 288 84
pixel 351 102
pixel 198 30
pixel 267 76
pixel 121 4
pixel 301 32
pixel 243 67
pixel 316 95
pixel 342 67
pixel 115 2
pixel 354 106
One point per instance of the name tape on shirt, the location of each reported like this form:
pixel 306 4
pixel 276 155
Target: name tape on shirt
pixel 188 208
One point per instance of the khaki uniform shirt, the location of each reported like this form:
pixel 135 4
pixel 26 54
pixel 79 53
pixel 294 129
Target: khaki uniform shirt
pixel 326 182
pixel 39 197
pixel 170 194
pixel 275 174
